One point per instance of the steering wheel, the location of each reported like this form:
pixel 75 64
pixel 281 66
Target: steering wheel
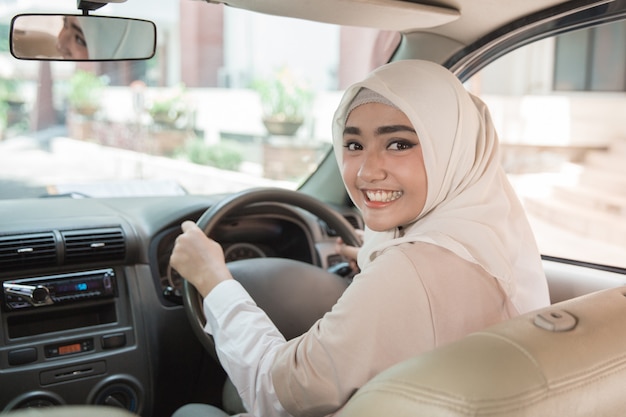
pixel 293 294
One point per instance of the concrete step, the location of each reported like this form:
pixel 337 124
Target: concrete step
pixel 587 222
pixel 600 179
pixel 606 161
pixel 595 206
pixel 592 198
pixel 618 147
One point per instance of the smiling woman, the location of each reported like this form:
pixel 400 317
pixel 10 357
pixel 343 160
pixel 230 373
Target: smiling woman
pixel 420 258
pixel 458 151
pixel 383 165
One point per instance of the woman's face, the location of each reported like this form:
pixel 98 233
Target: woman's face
pixel 383 166
pixel 71 41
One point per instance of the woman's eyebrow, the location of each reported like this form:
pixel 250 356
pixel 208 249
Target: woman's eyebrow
pixel 77 28
pixel 382 130
pixel 351 130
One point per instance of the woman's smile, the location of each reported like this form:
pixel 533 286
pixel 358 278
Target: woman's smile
pixel 382 196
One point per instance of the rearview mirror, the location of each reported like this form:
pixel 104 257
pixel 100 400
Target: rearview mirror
pixel 67 37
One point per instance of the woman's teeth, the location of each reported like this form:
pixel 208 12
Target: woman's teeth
pixel 383 196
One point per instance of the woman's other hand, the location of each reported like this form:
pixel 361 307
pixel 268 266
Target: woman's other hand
pixel 349 252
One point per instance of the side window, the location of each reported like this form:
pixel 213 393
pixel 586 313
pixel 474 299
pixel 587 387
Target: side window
pixel 559 107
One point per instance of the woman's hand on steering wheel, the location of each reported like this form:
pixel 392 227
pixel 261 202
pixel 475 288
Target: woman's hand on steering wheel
pixel 199 259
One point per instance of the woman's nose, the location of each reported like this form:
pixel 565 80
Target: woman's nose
pixel 62 40
pixel 372 167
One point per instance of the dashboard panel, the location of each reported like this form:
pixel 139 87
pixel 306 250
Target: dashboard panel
pixel 132 346
pixel 269 230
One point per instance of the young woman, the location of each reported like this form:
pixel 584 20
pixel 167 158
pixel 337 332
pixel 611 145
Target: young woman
pixel 447 249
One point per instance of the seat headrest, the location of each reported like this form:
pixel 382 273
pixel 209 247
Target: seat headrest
pixel 568 359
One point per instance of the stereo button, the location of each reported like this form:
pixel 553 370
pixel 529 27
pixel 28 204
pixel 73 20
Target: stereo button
pixel 40 295
pixel 112 341
pixel 22 356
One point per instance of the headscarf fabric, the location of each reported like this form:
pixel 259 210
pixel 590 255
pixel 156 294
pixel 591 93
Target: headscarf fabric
pixel 118 38
pixel 471 208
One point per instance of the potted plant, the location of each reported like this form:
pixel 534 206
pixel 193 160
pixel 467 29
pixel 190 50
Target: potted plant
pixel 85 92
pixel 84 96
pixel 173 117
pixel 170 108
pixel 284 99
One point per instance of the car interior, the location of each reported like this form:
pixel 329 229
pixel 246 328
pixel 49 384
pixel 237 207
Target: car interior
pixel 94 321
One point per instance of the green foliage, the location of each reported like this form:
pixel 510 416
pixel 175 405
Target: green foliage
pixel 4 37
pixel 85 90
pixel 9 89
pixel 283 96
pixel 4 115
pixel 9 92
pixel 221 155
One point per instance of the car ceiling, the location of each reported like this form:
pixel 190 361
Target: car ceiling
pixel 464 21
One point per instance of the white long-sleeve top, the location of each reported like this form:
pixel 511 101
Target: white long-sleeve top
pixel 246 341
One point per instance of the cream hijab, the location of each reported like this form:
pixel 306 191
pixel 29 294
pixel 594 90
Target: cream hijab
pixel 471 208
pixel 116 38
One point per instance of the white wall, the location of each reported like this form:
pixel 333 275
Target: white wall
pixel 218 110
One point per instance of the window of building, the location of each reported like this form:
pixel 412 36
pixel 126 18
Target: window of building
pixel 591 60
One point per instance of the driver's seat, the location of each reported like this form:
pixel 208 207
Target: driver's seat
pixel 568 359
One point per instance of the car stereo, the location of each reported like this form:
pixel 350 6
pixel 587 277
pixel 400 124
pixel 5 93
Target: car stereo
pixel 58 289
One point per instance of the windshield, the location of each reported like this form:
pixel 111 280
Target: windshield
pixel 231 103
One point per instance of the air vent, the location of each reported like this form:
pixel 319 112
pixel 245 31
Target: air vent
pixel 352 219
pixel 94 245
pixel 27 251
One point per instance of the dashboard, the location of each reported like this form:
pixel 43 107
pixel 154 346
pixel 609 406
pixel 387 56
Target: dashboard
pixel 91 312
pixel 266 230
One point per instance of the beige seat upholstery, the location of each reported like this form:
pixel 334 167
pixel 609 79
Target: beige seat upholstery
pixel 568 359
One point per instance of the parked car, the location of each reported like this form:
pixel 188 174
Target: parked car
pixel 102 158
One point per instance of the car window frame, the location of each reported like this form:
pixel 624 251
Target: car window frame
pixel 547 23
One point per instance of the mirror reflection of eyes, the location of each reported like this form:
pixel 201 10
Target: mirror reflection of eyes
pixel 71 23
pixel 71 43
pixel 100 38
pixel 81 41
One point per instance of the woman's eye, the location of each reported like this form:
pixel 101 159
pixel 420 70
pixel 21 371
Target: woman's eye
pixel 400 146
pixel 353 146
pixel 80 41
